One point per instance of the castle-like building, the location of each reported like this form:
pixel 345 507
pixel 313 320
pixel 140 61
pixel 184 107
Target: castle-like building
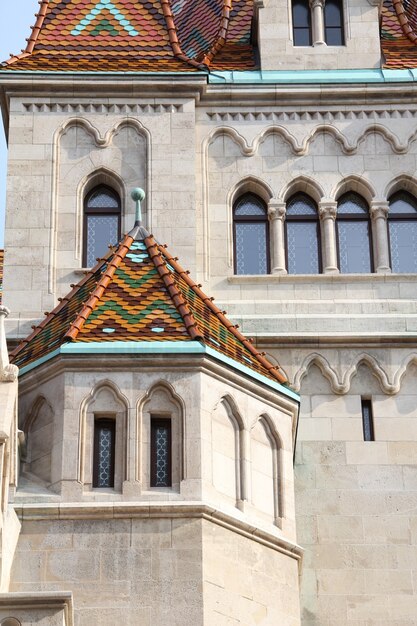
pixel 163 462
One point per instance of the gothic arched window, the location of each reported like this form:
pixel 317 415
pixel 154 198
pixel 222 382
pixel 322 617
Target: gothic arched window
pixel 354 235
pixel 301 23
pixel 333 23
pixel 302 231
pixel 402 228
pixel 101 223
pixel 251 235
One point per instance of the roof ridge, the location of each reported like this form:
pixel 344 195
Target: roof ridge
pixel 173 36
pixel 221 35
pixel 403 20
pixel 62 302
pixel 273 370
pixel 36 29
pixel 91 303
pixel 173 291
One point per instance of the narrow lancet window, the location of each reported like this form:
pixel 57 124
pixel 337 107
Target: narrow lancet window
pixel 367 420
pixel 101 223
pixel 402 228
pixel 161 452
pixel 302 234
pixel 333 23
pixel 301 22
pixel 251 235
pixel 354 235
pixel 104 447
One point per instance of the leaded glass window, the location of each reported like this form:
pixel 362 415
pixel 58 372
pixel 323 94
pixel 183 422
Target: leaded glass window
pixel 367 420
pixel 101 223
pixel 251 235
pixel 402 227
pixel 161 452
pixel 104 446
pixel 354 235
pixel 302 235
pixel 333 23
pixel 301 23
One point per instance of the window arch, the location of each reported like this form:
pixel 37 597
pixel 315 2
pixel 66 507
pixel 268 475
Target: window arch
pixel 302 234
pixel 301 23
pixel 102 217
pixel 402 229
pixel 333 23
pixel 354 237
pixel 251 235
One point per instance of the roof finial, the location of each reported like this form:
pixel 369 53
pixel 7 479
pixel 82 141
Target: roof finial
pixel 138 195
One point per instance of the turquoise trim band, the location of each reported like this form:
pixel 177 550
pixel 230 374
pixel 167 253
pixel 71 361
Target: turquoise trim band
pixel 314 76
pixel 158 347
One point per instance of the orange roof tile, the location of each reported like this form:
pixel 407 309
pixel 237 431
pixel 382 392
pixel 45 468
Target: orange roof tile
pixel 131 36
pixel 140 293
pixel 399 34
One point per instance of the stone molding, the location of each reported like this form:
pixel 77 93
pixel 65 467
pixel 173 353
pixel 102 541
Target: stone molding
pixel 69 107
pixel 309 116
pixel 50 600
pixel 191 510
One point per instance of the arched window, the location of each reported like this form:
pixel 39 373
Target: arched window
pixel 251 235
pixel 301 23
pixel 333 23
pixel 302 232
pixel 101 223
pixel 354 235
pixel 402 228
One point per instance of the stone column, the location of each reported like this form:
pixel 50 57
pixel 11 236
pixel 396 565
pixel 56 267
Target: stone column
pixel 327 213
pixel 379 213
pixel 317 22
pixel 276 214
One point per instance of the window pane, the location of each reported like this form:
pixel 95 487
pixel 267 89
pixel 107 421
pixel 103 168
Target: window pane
pixel 250 205
pixel 104 441
pixel 303 248
pixel 101 230
pixel 301 204
pixel 301 14
pixel 403 202
pixel 333 13
pixel 354 247
pixel 102 199
pixel 403 240
pixel 161 453
pixel 334 36
pixel 302 37
pixel 352 203
pixel 251 248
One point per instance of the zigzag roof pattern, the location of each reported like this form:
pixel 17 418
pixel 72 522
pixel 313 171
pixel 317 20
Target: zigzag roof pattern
pixel 139 292
pixel 399 34
pixel 138 36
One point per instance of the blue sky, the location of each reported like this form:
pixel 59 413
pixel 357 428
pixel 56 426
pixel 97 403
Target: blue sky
pixel 15 24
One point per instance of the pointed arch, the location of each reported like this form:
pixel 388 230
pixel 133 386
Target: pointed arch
pixel 105 401
pixel 267 468
pixel 39 431
pixel 354 183
pixel 303 184
pixel 160 402
pixel 324 366
pixel 402 182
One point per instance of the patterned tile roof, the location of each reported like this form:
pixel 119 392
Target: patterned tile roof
pixel 133 35
pixel 140 293
pixel 399 34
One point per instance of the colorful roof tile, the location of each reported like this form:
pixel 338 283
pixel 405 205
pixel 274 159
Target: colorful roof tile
pixel 399 34
pixel 146 36
pixel 140 293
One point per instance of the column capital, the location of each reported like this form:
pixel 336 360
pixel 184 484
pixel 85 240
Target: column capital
pixel 276 210
pixel 317 3
pixel 327 209
pixel 378 209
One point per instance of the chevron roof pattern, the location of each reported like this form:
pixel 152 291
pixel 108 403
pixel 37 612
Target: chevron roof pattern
pixel 139 292
pixel 139 36
pixel 399 34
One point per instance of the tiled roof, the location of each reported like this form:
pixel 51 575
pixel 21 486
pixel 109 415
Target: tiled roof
pixel 146 36
pixel 399 34
pixel 140 293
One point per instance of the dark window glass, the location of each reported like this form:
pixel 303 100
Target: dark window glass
pixel 251 236
pixel 367 421
pixel 302 236
pixel 333 23
pixel 161 452
pixel 101 223
pixel 354 235
pixel 301 20
pixel 402 226
pixel 104 444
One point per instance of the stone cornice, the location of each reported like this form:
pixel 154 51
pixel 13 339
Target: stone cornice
pixel 191 510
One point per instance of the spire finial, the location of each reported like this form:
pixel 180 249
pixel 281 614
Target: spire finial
pixel 138 195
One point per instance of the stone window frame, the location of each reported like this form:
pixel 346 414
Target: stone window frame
pixel 254 219
pixel 94 408
pixel 399 217
pixel 353 217
pixel 100 212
